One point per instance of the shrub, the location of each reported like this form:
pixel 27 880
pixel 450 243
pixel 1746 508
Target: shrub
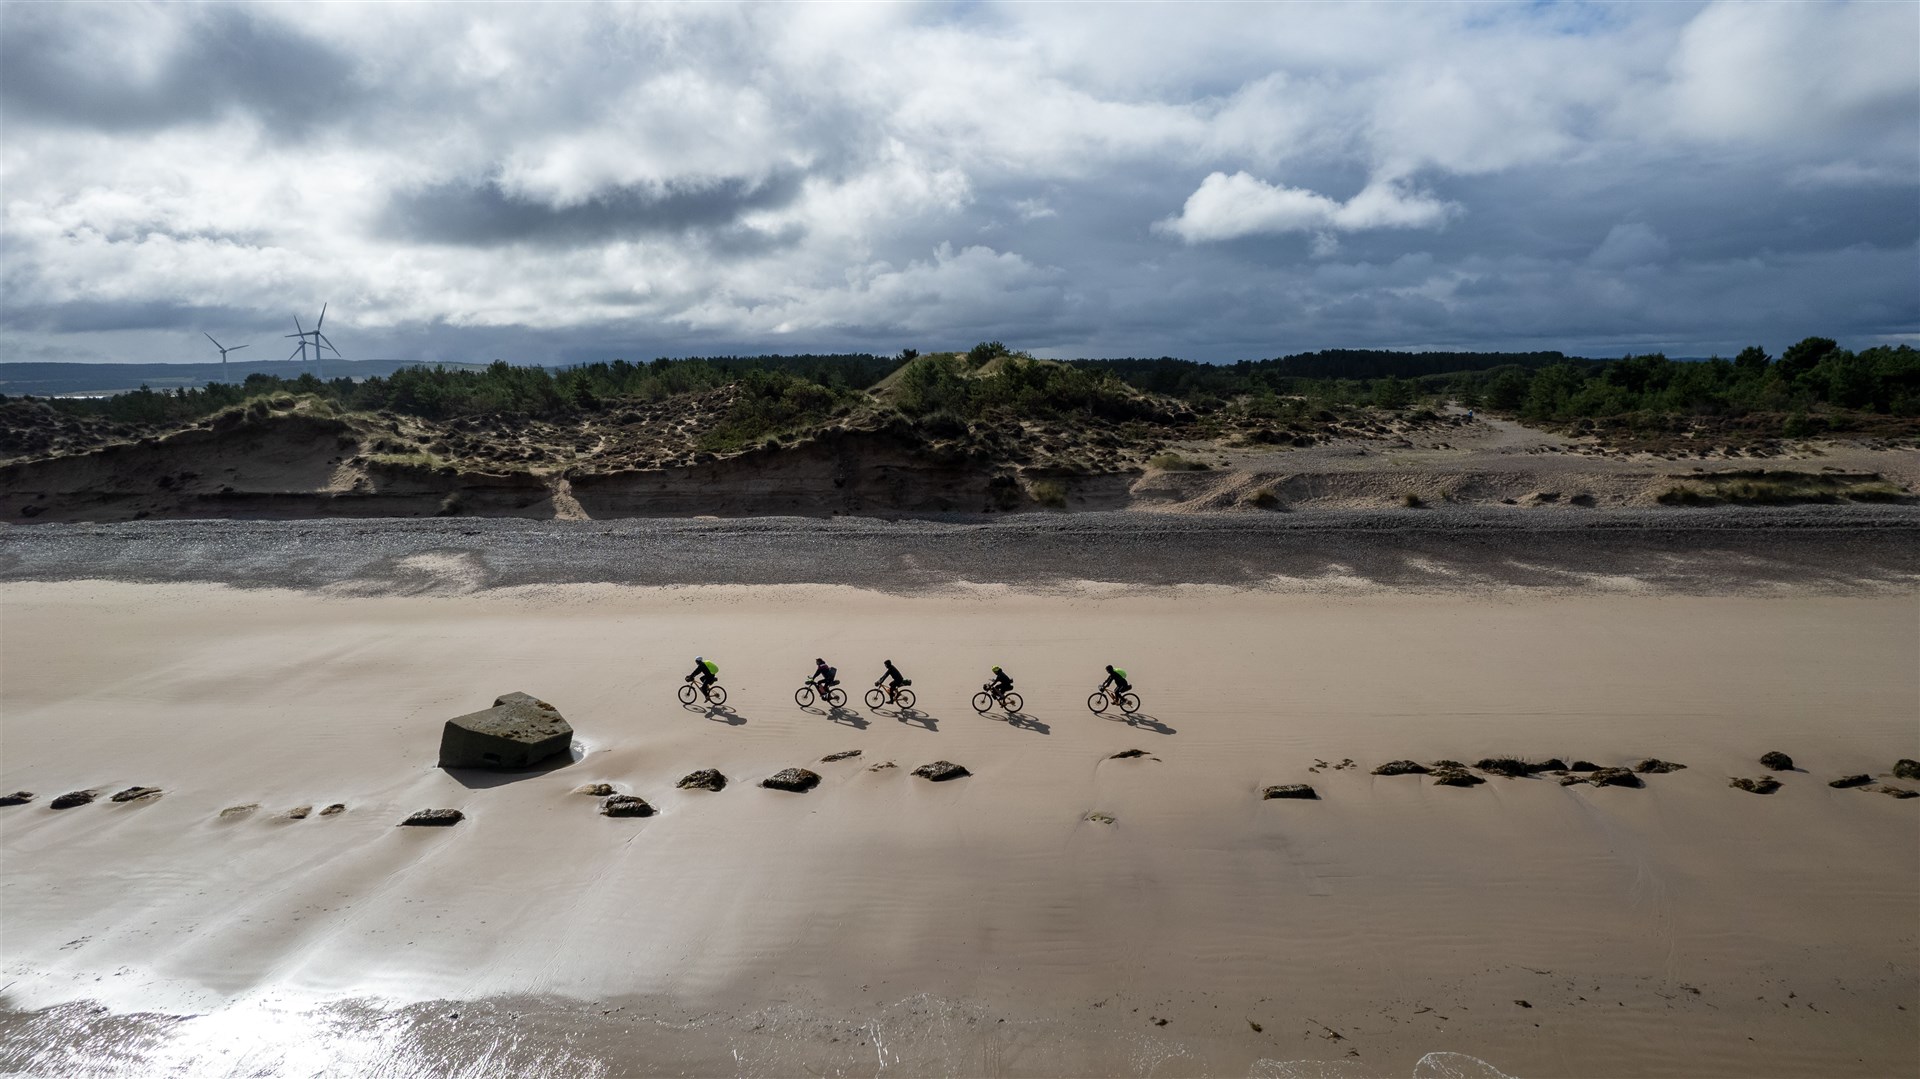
pixel 1411 501
pixel 1264 498
pixel 1048 493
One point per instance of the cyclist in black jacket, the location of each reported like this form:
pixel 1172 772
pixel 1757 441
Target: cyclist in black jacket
pixel 1118 680
pixel 1000 684
pixel 893 678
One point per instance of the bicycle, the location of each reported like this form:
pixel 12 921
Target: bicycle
pixel 877 698
pixel 1128 702
pixel 804 696
pixel 715 695
pixel 984 700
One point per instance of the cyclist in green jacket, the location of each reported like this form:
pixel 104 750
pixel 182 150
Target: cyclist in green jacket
pixel 707 671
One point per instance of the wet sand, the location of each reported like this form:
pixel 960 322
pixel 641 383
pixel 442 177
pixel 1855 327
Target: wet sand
pixel 986 925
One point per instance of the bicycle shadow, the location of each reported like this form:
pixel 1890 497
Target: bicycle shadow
pixel 1140 720
pixel 1020 721
pixel 915 718
pixel 718 713
pixel 847 716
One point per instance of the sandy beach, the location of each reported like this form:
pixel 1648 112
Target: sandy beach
pixel 1059 911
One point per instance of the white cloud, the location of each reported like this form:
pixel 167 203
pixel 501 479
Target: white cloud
pixel 1227 207
pixel 737 176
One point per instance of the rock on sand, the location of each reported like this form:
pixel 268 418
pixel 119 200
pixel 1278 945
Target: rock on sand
pixel 796 780
pixel 1653 765
pixel 519 731
pixel 1401 768
pixel 1860 780
pixel 434 818
pixel 1776 761
pixel 1906 768
pixel 705 779
pixel 1762 785
pixel 941 771
pixel 1289 790
pixel 135 794
pixel 73 798
pixel 626 805
pixel 17 798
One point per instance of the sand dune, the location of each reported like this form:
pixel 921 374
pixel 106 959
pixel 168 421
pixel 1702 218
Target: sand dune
pixel 991 924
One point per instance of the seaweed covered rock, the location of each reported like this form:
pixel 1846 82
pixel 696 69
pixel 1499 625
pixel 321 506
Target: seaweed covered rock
pixel 1897 792
pixel 1454 776
pixel 1906 768
pixel 1761 785
pixel 1289 790
pixel 1401 768
pixel 137 794
pixel 73 798
pixel 704 779
pixel 1614 777
pixel 796 780
pixel 17 798
pixel 597 790
pixel 941 771
pixel 625 805
pixel 1776 761
pixel 843 755
pixel 519 731
pixel 1654 765
pixel 1583 766
pixel 1860 780
pixel 434 818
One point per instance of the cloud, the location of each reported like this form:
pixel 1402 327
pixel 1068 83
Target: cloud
pixel 1218 181
pixel 486 213
pixel 1631 244
pixel 1228 207
pixel 127 68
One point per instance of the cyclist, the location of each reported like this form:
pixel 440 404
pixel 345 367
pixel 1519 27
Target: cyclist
pixel 999 685
pixel 1117 678
pixel 893 679
pixel 824 677
pixel 707 672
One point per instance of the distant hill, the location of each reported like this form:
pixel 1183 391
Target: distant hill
pixel 71 379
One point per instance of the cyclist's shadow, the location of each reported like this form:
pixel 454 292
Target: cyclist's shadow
pixel 1140 720
pixel 851 718
pixel 718 713
pixel 1025 722
pixel 916 718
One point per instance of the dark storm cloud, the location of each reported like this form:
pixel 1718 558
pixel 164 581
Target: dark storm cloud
pixel 55 69
pixel 485 213
pixel 77 316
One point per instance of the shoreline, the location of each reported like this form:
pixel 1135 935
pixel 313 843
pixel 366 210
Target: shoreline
pixel 1707 551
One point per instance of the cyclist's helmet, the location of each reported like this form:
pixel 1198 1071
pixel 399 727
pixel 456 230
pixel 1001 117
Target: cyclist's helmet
pixel 996 668
pixel 699 659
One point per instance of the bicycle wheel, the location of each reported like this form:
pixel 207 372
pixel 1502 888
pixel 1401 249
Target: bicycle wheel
pixel 1130 703
pixel 717 695
pixel 1097 703
pixel 687 693
pixel 982 701
pixel 803 696
pixel 875 698
pixel 904 699
pixel 837 697
pixel 1011 702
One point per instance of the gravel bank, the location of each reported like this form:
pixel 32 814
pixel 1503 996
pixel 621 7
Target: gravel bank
pixel 1700 551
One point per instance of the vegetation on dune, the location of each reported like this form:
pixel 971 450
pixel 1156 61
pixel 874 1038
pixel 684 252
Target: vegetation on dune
pixel 1814 387
pixel 1779 487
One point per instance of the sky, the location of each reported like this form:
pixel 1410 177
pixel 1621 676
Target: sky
pixel 572 182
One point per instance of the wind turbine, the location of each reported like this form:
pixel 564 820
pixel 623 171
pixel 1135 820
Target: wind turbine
pixel 320 341
pixel 223 354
